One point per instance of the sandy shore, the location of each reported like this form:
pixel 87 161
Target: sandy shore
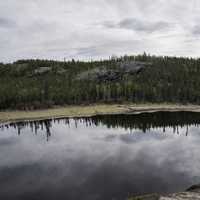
pixel 90 110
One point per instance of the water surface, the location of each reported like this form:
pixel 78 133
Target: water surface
pixel 99 158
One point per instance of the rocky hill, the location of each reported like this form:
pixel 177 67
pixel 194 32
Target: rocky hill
pixel 33 84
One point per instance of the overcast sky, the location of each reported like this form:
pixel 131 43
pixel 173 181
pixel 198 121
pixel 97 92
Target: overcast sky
pixel 93 29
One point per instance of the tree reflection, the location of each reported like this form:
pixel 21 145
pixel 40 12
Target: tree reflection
pixel 144 122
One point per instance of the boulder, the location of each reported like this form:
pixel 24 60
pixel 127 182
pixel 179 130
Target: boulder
pixel 192 193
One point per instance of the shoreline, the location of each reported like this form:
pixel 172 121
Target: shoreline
pixel 92 110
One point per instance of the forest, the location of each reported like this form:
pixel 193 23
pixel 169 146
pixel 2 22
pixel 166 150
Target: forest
pixel 35 84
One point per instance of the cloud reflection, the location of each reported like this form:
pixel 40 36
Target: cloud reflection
pixel 87 160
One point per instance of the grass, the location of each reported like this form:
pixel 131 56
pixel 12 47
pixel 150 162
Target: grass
pixel 78 111
pixel 67 111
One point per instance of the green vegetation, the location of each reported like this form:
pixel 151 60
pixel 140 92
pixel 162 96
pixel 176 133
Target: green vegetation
pixel 34 84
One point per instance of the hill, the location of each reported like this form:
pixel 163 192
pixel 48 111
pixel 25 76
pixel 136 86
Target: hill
pixel 33 84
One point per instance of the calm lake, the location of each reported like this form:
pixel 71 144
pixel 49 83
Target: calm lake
pixel 99 158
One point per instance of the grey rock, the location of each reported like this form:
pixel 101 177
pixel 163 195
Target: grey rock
pixel 192 193
pixel 113 74
pixel 42 70
pixel 100 74
pixel 133 66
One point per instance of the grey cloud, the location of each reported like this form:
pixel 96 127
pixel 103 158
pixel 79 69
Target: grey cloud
pixel 143 25
pixel 196 30
pixel 88 51
pixel 6 23
pixel 112 47
pixel 110 24
pixel 139 25
pixel 80 28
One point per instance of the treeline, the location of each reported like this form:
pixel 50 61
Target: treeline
pixel 144 122
pixel 32 84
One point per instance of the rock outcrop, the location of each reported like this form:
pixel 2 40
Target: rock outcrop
pixel 193 193
pixel 114 73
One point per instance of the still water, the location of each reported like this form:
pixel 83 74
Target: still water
pixel 99 158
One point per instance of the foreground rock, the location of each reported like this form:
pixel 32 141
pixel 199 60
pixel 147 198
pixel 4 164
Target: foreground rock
pixel 193 193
